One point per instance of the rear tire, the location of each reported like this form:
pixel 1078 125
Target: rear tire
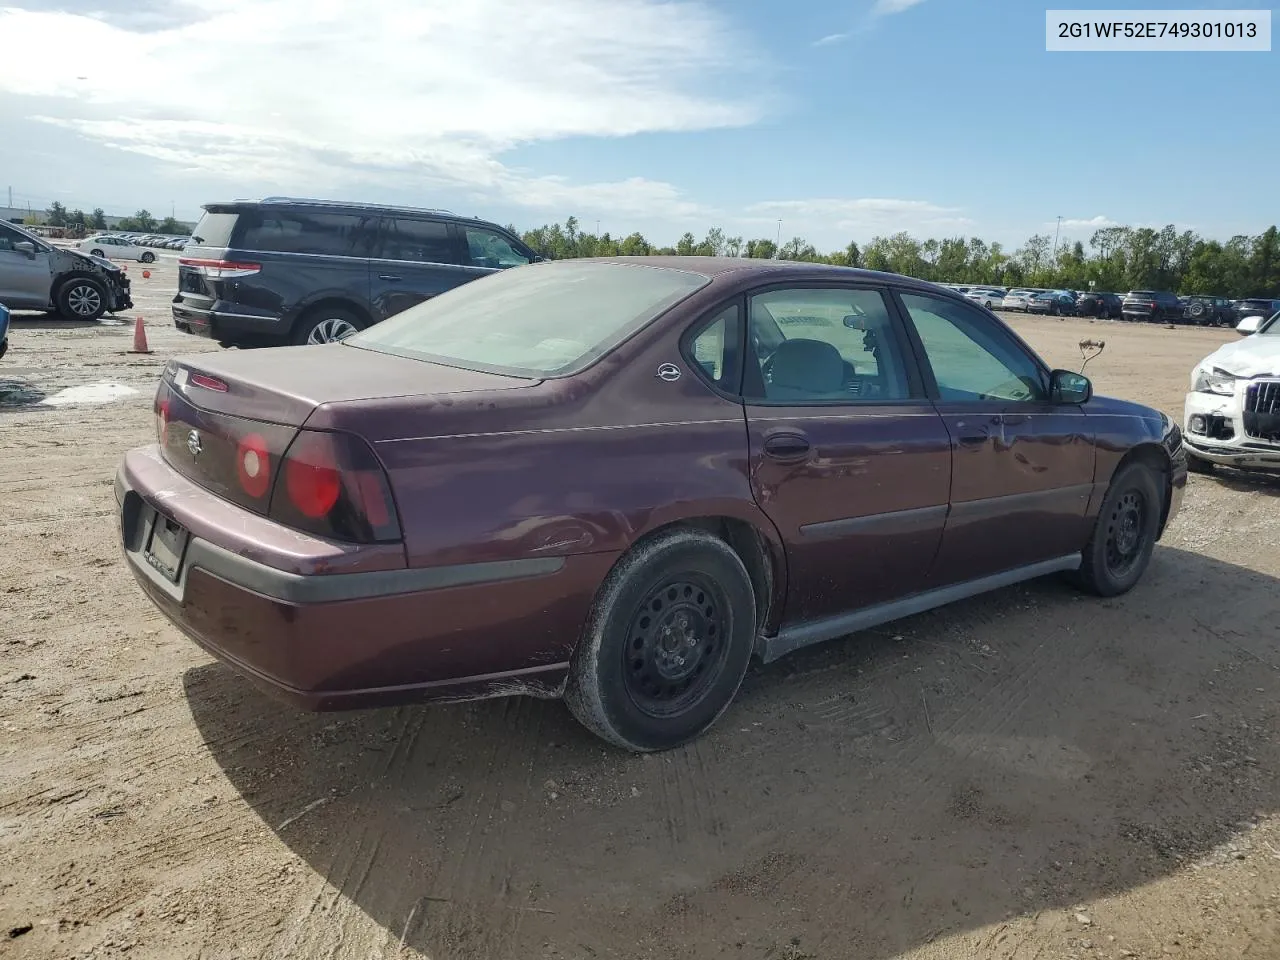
pixel 327 325
pixel 668 642
pixel 1125 534
pixel 82 298
pixel 97 253
pixel 147 257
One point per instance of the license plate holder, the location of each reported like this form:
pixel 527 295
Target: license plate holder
pixel 166 545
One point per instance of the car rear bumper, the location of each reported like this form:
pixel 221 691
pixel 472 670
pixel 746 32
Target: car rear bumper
pixel 225 324
pixel 334 626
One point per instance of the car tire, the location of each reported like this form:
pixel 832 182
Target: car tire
pixel 97 253
pixel 1199 464
pixel 147 257
pixel 1125 533
pixel 82 298
pixel 327 325
pixel 668 641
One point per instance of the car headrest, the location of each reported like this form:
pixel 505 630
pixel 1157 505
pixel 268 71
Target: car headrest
pixel 808 366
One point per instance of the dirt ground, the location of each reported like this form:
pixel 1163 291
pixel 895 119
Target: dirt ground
pixel 1032 774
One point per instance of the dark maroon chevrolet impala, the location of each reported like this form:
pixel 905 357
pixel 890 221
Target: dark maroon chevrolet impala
pixel 618 480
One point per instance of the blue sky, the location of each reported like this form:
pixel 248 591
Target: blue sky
pixel 939 117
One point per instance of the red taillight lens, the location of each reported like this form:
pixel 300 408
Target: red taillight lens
pixel 311 475
pixel 332 485
pixel 253 465
pixel 219 269
pixel 162 413
pixel 209 383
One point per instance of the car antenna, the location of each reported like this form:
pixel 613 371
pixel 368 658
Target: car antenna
pixel 1096 346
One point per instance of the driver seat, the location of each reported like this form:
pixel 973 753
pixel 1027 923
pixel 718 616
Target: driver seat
pixel 806 370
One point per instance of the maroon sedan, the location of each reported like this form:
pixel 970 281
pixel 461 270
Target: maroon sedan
pixel 617 480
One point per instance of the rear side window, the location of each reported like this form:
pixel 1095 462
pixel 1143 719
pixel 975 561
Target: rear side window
pixel 215 229
pixel 320 234
pixel 421 241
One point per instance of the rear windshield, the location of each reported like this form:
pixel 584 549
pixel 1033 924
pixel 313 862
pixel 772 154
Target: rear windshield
pixel 544 320
pixel 214 230
pixel 1142 293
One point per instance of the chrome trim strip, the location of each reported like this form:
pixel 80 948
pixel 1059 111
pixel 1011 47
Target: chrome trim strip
pixel 913 520
pixel 547 430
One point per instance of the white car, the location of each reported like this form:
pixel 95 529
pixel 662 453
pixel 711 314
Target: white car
pixel 1018 299
pixel 115 248
pixel 1232 414
pixel 991 299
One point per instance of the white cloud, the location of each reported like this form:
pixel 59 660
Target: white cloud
pixel 889 7
pixel 316 93
pixel 858 219
pixel 1093 223
pixel 830 39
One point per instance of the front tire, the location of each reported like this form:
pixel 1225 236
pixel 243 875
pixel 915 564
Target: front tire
pixel 81 298
pixel 97 253
pixel 1125 533
pixel 668 642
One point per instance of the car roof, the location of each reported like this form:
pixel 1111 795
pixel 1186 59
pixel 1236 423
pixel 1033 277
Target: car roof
pixel 306 203
pixel 756 268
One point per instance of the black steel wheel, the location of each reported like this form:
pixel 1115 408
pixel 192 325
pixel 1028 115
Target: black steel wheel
pixel 669 640
pixel 677 645
pixel 1126 531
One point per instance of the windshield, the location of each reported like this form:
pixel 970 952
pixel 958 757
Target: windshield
pixel 1272 327
pixel 548 319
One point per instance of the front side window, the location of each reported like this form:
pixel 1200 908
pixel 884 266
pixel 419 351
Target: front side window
pixel 550 320
pixel 419 241
pixel 822 345
pixel 488 249
pixel 972 358
pixel 8 238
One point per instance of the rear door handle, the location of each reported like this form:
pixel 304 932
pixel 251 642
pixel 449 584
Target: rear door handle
pixel 787 446
pixel 1012 419
pixel 387 276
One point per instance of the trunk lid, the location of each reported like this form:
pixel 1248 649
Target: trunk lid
pixel 213 409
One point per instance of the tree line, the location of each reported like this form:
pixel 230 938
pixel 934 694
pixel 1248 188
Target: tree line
pixel 141 222
pixel 1116 258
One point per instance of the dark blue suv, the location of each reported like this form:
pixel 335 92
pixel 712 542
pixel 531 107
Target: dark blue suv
pixel 284 270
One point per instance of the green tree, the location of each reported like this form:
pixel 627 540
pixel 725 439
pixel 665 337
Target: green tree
pixel 56 215
pixel 98 219
pixel 170 226
pixel 76 218
pixel 797 248
pixel 761 249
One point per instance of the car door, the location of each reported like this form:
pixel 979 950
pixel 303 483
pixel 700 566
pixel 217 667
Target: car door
pixel 418 258
pixel 847 456
pixel 25 278
pixel 1022 466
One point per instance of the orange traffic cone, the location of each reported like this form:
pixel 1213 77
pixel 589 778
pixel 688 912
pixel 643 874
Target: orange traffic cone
pixel 146 274
pixel 140 338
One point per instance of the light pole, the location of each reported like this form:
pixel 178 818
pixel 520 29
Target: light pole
pixel 777 244
pixel 1055 237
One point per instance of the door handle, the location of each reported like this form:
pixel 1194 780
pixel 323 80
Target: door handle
pixel 787 446
pixel 1012 419
pixel 387 276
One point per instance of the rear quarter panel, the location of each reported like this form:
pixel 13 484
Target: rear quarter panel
pixel 582 465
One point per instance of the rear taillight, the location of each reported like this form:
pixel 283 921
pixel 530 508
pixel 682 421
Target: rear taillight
pixel 162 412
pixel 219 269
pixel 1153 304
pixel 332 485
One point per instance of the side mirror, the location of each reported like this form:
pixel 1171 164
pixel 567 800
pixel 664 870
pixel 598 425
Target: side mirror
pixel 1245 327
pixel 1067 386
pixel 27 247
